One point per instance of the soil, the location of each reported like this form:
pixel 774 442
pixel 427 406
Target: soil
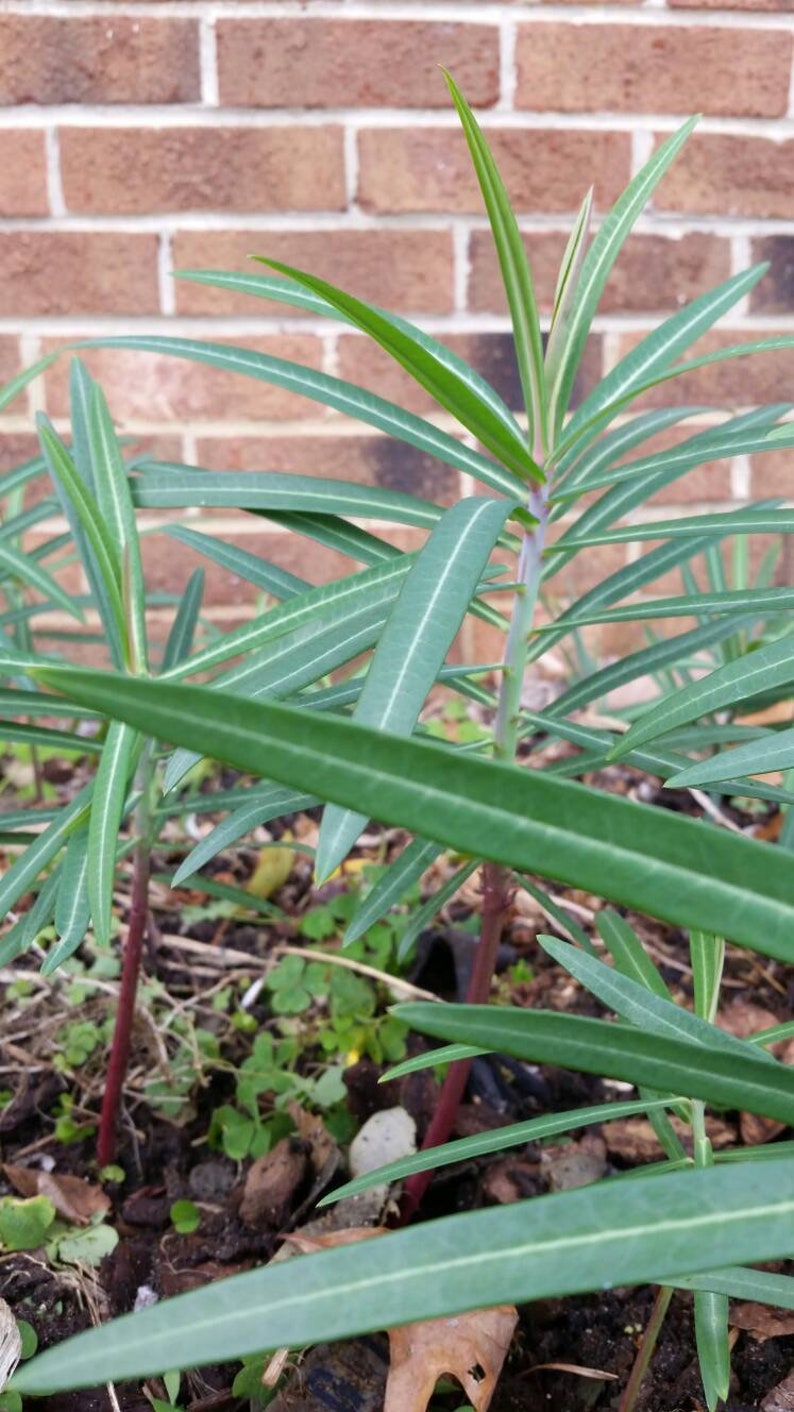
pixel 164 1161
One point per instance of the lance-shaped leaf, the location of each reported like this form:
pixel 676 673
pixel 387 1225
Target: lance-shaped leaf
pixel 717 1075
pixel 629 954
pixel 578 466
pixel 162 485
pixel 402 875
pixel 738 602
pixel 600 259
pixel 333 392
pixel 758 757
pixel 180 636
pixel 619 1233
pixel 514 265
pixel 64 741
pixel 269 577
pixel 675 868
pixel 567 287
pixel 24 932
pixel 115 507
pixel 72 908
pixel 122 747
pixel 19 877
pixel 452 385
pixel 17 384
pixel 750 521
pixel 465 1149
pixel 633 1001
pixel 767 669
pixel 259 807
pixel 411 651
pixel 435 904
pixel 20 566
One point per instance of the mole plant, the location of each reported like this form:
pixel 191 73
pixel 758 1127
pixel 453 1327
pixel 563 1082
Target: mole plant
pixel 558 480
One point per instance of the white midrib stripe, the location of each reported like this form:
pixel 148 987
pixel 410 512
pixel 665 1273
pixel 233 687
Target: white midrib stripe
pixel 416 646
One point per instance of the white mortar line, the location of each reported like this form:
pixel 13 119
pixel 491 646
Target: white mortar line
pixel 508 74
pixel 741 259
pixel 55 198
pixel 741 477
pixel 30 352
pixel 461 268
pixel 208 60
pixel 174 116
pixel 350 150
pixel 165 279
pixel 641 149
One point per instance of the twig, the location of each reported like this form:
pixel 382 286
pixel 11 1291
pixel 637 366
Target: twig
pixel 393 982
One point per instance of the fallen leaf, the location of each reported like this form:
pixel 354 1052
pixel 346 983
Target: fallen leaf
pixel 760 1321
pixel 469 1347
pixel 635 1142
pixel 272 1183
pixel 597 1373
pixel 781 1398
pixel 75 1200
pixel 10 1344
pixel 574 1164
pixel 272 870
pixel 744 1018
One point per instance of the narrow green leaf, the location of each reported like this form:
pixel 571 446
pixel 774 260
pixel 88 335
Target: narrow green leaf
pixel 750 521
pixel 333 392
pixel 410 653
pixel 72 909
pixel 162 485
pixel 663 864
pixel 600 259
pixel 115 507
pixel 758 757
pixel 496 1140
pixel 514 265
pixel 462 396
pixel 180 636
pixel 65 741
pixel 567 287
pixel 579 465
pixel 730 1078
pixel 19 877
pixel 15 385
pixel 402 875
pixel 635 1002
pixel 269 577
pixel 122 746
pixel 629 954
pixel 24 932
pixel 259 808
pixel 769 668
pixel 65 473
pixel 737 602
pixel 424 915
pixel 629 1232
pixel 713 1346
pixel 16 564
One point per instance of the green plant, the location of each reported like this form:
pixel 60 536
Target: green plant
pixel 680 1227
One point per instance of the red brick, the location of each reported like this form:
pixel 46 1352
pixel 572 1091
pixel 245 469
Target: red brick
pixel 738 382
pixel 731 175
pixel 428 169
pixel 368 460
pixel 156 388
pixel 775 293
pixel 132 171
pixel 653 69
pixel 98 59
pixel 653 272
pixel 69 577
pixel 11 363
pixel 330 63
pixel 772 475
pixel 490 353
pixel 409 270
pixel 68 272
pixel 23 173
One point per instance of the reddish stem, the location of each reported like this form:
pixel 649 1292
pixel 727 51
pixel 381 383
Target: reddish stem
pixel 496 891
pixel 125 1014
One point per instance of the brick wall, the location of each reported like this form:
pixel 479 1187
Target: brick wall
pixel 138 136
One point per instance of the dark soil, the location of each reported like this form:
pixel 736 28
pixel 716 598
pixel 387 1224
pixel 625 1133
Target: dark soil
pixel 164 1162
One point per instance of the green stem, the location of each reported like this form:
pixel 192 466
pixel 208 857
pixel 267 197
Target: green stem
pixel 649 1340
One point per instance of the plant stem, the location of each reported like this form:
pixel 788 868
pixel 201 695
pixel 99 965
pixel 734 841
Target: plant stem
pixel 496 880
pixel 131 966
pixel 649 1340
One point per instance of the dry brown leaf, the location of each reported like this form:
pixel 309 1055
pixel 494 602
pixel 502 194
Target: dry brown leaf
pixel 761 1322
pixel 744 1018
pixel 781 1398
pixel 634 1140
pixel 77 1201
pixel 597 1373
pixel 272 1183
pixel 470 1347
